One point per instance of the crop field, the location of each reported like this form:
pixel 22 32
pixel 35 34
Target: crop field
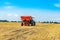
pixel 42 31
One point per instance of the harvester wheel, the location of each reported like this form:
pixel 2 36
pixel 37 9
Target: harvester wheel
pixel 28 24
pixel 21 24
pixel 33 23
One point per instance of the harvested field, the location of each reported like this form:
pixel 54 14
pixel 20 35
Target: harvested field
pixel 13 31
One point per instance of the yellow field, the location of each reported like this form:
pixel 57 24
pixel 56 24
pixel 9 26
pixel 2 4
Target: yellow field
pixel 13 31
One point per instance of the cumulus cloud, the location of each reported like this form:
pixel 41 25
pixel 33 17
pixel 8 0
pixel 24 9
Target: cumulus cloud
pixel 16 15
pixel 57 5
pixel 9 14
pixel 8 7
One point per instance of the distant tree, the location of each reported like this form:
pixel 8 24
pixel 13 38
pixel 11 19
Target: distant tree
pixel 55 22
pixel 4 21
pixel 13 21
pixel 19 21
pixel 51 22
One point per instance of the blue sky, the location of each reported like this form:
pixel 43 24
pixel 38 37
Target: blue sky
pixel 41 10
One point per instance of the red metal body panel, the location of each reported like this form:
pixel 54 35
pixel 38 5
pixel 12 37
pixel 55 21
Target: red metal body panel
pixel 27 18
pixel 25 23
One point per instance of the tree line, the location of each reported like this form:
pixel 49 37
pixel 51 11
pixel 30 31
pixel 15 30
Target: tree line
pixel 8 21
pixel 51 22
pixel 39 21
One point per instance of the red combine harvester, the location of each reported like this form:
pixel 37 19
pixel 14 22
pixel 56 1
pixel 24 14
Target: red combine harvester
pixel 27 21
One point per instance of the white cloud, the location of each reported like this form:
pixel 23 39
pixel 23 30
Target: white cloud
pixel 0 17
pixel 9 14
pixel 37 14
pixel 16 15
pixel 57 5
pixel 57 18
pixel 8 7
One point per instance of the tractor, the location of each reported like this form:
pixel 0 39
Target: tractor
pixel 27 21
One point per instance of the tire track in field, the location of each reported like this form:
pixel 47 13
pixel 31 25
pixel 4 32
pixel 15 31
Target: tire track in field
pixel 18 34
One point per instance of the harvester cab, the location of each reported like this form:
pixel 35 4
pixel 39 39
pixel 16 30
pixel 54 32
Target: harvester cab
pixel 27 21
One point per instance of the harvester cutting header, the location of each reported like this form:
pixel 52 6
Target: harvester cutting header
pixel 27 21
